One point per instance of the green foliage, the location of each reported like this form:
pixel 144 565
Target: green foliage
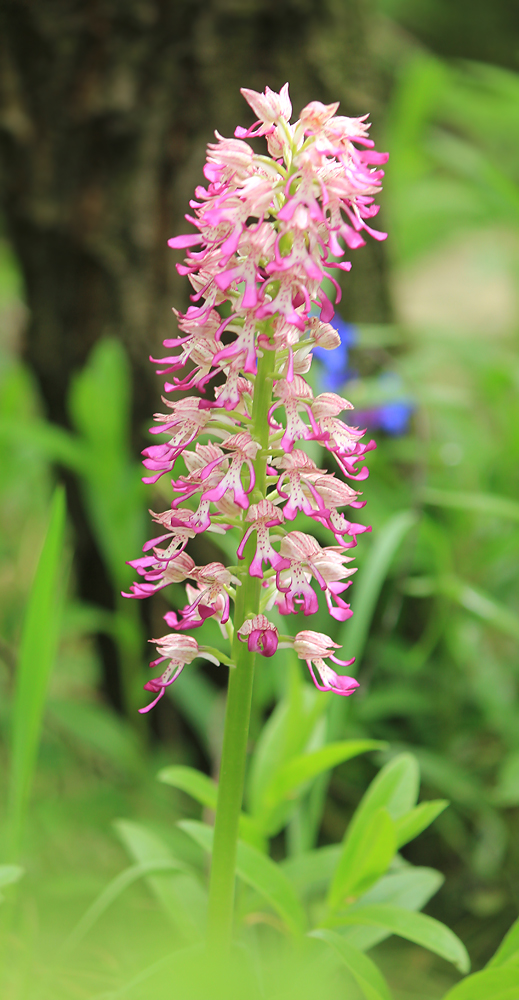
pixel 415 927
pixel 36 660
pixel 260 873
pixel 365 972
pixel 180 894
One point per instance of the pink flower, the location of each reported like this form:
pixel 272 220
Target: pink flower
pixel 263 516
pixel 190 418
pixel 244 450
pixel 313 647
pixel 265 231
pixel 305 558
pixel 210 598
pixel 293 397
pixel 165 566
pixel 179 649
pixel 269 108
pixel 315 116
pixel 261 635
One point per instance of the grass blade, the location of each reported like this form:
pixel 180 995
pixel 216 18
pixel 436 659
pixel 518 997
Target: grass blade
pixel 353 635
pixel 112 891
pixel 482 503
pixel 37 653
pixel 364 971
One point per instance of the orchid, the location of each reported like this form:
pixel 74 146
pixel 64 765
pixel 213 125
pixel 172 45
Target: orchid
pixel 266 231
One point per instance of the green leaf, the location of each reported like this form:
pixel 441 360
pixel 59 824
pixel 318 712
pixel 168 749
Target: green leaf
pixel 195 783
pixel 480 604
pixel 506 792
pixel 54 442
pixel 369 584
pixel 312 870
pixel 364 971
pixel 112 892
pixel 484 503
pixel 285 735
pixel 364 859
pixel 394 789
pixel 296 772
pixel 490 984
pixel 396 786
pixel 196 698
pixel 99 403
pixel 412 823
pixel 416 927
pixel 261 873
pixel 38 648
pixel 454 781
pixel 410 888
pixel 8 875
pixel 181 895
pixel 99 728
pixel 508 950
pixel 204 790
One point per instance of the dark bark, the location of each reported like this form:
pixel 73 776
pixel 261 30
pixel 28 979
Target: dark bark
pixel 106 108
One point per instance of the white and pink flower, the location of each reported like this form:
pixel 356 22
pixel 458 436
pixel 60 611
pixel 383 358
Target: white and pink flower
pixel 266 231
pixel 315 647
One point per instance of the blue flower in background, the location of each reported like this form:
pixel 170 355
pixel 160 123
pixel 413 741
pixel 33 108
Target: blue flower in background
pixel 335 363
pixel 393 416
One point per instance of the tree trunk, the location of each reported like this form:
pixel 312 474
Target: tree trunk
pixel 106 107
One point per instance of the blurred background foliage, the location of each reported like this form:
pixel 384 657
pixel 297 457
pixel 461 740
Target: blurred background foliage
pixel 434 369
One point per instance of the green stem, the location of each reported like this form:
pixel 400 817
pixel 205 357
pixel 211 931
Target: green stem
pixel 239 697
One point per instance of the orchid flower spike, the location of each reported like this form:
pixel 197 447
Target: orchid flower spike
pixel 265 233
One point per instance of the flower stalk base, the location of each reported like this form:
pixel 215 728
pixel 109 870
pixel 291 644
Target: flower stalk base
pixel 238 707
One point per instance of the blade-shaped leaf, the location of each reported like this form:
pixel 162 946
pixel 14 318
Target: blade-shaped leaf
pixel 112 891
pixel 261 873
pixel 370 581
pixel 181 895
pixel 286 734
pixel 484 503
pixel 396 786
pixel 364 971
pixel 490 984
pixel 195 783
pixel 37 653
pixel 204 790
pixel 301 769
pixel 417 927
pixel 508 950
pixel 312 870
pixel 395 789
pixel 364 860
pixel 412 823
pixel 410 888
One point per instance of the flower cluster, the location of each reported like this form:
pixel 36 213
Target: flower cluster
pixel 268 231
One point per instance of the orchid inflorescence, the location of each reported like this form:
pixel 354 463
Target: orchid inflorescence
pixel 270 229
